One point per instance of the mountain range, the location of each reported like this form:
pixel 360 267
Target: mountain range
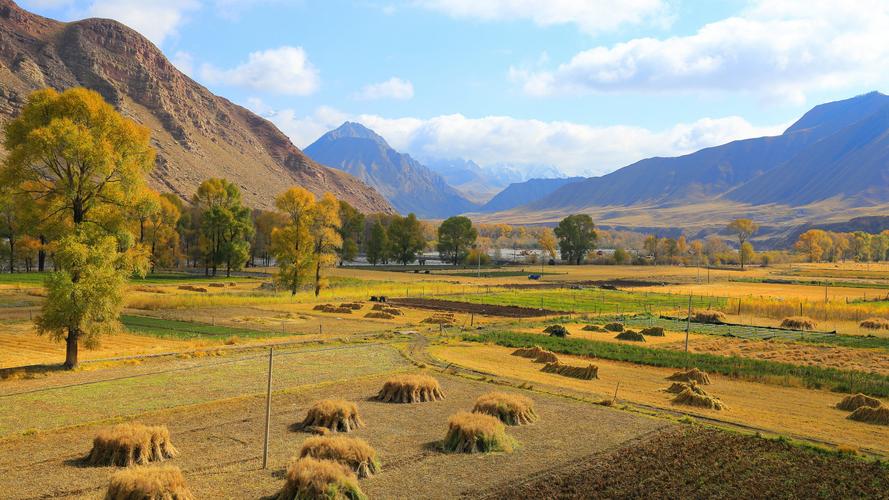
pixel 197 134
pixel 409 185
pixel 481 183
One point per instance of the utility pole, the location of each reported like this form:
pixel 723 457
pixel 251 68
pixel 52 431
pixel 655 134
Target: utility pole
pixel 268 412
pixel 687 329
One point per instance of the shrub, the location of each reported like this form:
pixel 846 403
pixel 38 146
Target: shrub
pixel 614 327
pixel 556 330
pixel 798 323
pixel 352 452
pixel 474 433
pixel 410 389
pixel 148 483
pixel 631 335
pixel 654 331
pixel 584 373
pixel 875 324
pixel 693 375
pixel 511 409
pixel 309 478
pixel 336 415
pixel 852 403
pixel 127 444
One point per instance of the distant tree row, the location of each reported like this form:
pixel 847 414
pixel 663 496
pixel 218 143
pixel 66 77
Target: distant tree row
pixel 827 246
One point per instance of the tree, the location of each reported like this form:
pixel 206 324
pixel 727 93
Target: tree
pixel 378 243
pixel 650 246
pixel 406 239
pixel 547 242
pixel 455 237
pixel 226 225
pixel 265 222
pixel 577 237
pixel 743 229
pixel 351 226
pixel 11 223
pixel 621 256
pixel 292 243
pixel 84 163
pixel 813 243
pixel 325 233
pixel 746 252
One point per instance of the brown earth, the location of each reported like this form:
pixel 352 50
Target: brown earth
pixel 196 133
pixel 466 307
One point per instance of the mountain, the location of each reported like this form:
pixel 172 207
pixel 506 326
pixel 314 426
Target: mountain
pixel 467 177
pixel 521 193
pixel 509 173
pixel 196 133
pixel 406 183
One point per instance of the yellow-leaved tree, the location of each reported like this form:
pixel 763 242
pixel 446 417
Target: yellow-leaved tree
pixel 83 163
pixel 292 243
pixel 326 237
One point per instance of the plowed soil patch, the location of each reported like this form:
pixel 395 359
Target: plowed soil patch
pixel 466 307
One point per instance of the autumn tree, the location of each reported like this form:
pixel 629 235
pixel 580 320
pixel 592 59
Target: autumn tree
pixel 378 243
pixel 406 239
pixel 351 227
pixel 455 237
pixel 226 226
pixel 292 243
pixel 577 237
pixel 813 243
pixel 160 233
pixel 84 163
pixel 325 236
pixel 11 224
pixel 547 241
pixel 743 229
pixel 265 222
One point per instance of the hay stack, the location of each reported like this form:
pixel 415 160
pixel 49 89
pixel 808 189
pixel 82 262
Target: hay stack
pixel 378 315
pixel 309 478
pixel 875 324
pixel 127 444
pixel 336 415
pixel 852 403
pixel 511 409
pixel 614 327
pixel 192 288
pixel 593 328
pixel 355 306
pixel 352 452
pixel 410 389
pixel 678 387
pixel 693 375
pixel 692 398
pixel 584 373
pixel 714 317
pixel 148 483
pixel 556 331
pixel 536 353
pixel 878 415
pixel 630 335
pixel 440 319
pixel 476 433
pixel 798 323
pixel 654 331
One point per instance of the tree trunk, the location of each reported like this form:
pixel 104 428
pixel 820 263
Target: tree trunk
pixel 318 277
pixel 11 255
pixel 71 348
pixel 41 255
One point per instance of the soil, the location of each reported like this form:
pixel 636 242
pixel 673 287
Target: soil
pixel 466 307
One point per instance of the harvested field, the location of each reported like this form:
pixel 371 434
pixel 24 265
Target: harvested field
pixel 153 483
pixel 354 453
pixel 749 467
pixel 440 319
pixel 852 403
pixel 468 307
pixel 511 409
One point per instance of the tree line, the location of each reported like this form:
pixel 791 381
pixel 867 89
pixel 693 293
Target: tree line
pixel 827 246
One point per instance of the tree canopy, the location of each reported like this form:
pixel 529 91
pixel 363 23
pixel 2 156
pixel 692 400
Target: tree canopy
pixel 577 237
pixel 455 237
pixel 406 239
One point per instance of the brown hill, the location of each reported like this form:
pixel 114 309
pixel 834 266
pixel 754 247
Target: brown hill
pixel 197 134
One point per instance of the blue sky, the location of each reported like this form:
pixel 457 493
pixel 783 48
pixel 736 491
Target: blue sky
pixel 584 85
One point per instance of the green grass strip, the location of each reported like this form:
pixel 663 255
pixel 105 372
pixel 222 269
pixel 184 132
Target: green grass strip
pixel 169 328
pixel 813 377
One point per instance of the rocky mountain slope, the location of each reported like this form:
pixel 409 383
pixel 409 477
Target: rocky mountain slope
pixel 197 134
pixel 408 184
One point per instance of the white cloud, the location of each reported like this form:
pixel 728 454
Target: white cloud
pixel 592 16
pixel 777 49
pixel 393 88
pixel 284 70
pixel 155 19
pixel 572 147
pixel 184 61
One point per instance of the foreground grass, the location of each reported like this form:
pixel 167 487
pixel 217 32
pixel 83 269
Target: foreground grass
pixel 813 377
pixel 184 330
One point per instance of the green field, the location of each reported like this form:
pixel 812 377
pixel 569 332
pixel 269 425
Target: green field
pixel 814 377
pixel 169 328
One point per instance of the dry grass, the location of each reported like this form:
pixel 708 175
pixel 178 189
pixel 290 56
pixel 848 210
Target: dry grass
pixel 127 444
pixel 336 415
pixel 693 375
pixel 782 307
pixel 875 324
pixel 440 319
pixel 536 353
pixel 630 335
pixel 355 306
pixel 878 415
pixel 378 315
pixel 798 323
pixel 192 288
pixel 852 403
pixel 394 311
pixel 148 483
pixel 352 452
pixel 654 331
pixel 678 387
pixel 476 433
pixel 330 308
pixel 692 398
pixel 588 372
pixel 312 479
pixel 410 389
pixel 714 317
pixel 511 409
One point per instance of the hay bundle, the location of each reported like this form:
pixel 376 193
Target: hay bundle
pixel 878 415
pixel 394 311
pixel 378 307
pixel 476 433
pixel 556 331
pixel 693 375
pixel 127 444
pixel 148 483
pixel 714 317
pixel 654 331
pixel 309 478
pixel 330 308
pixel 852 403
pixel 352 452
pixel 692 398
pixel 355 306
pixel 192 288
pixel 337 415
pixel 593 328
pixel 630 335
pixel 798 323
pixel 378 315
pixel 440 319
pixel 410 389
pixel 584 373
pixel 511 409
pixel 614 327
pixel 538 354
pixel 678 387
pixel 875 324
pixel 216 285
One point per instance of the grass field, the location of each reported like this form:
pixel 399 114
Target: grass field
pixel 184 330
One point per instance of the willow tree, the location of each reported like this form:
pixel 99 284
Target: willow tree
pixel 226 226
pixel 292 243
pixel 84 163
pixel 743 229
pixel 325 236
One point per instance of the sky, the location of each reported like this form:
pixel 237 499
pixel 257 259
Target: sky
pixel 587 86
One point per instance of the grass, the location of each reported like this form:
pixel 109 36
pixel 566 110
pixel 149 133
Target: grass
pixel 487 273
pixel 819 283
pixel 35 278
pixel 777 308
pixel 183 330
pixel 814 377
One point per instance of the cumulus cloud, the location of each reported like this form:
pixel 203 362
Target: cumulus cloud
pixel 775 48
pixel 284 70
pixel 393 88
pixel 574 148
pixel 156 20
pixel 592 16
